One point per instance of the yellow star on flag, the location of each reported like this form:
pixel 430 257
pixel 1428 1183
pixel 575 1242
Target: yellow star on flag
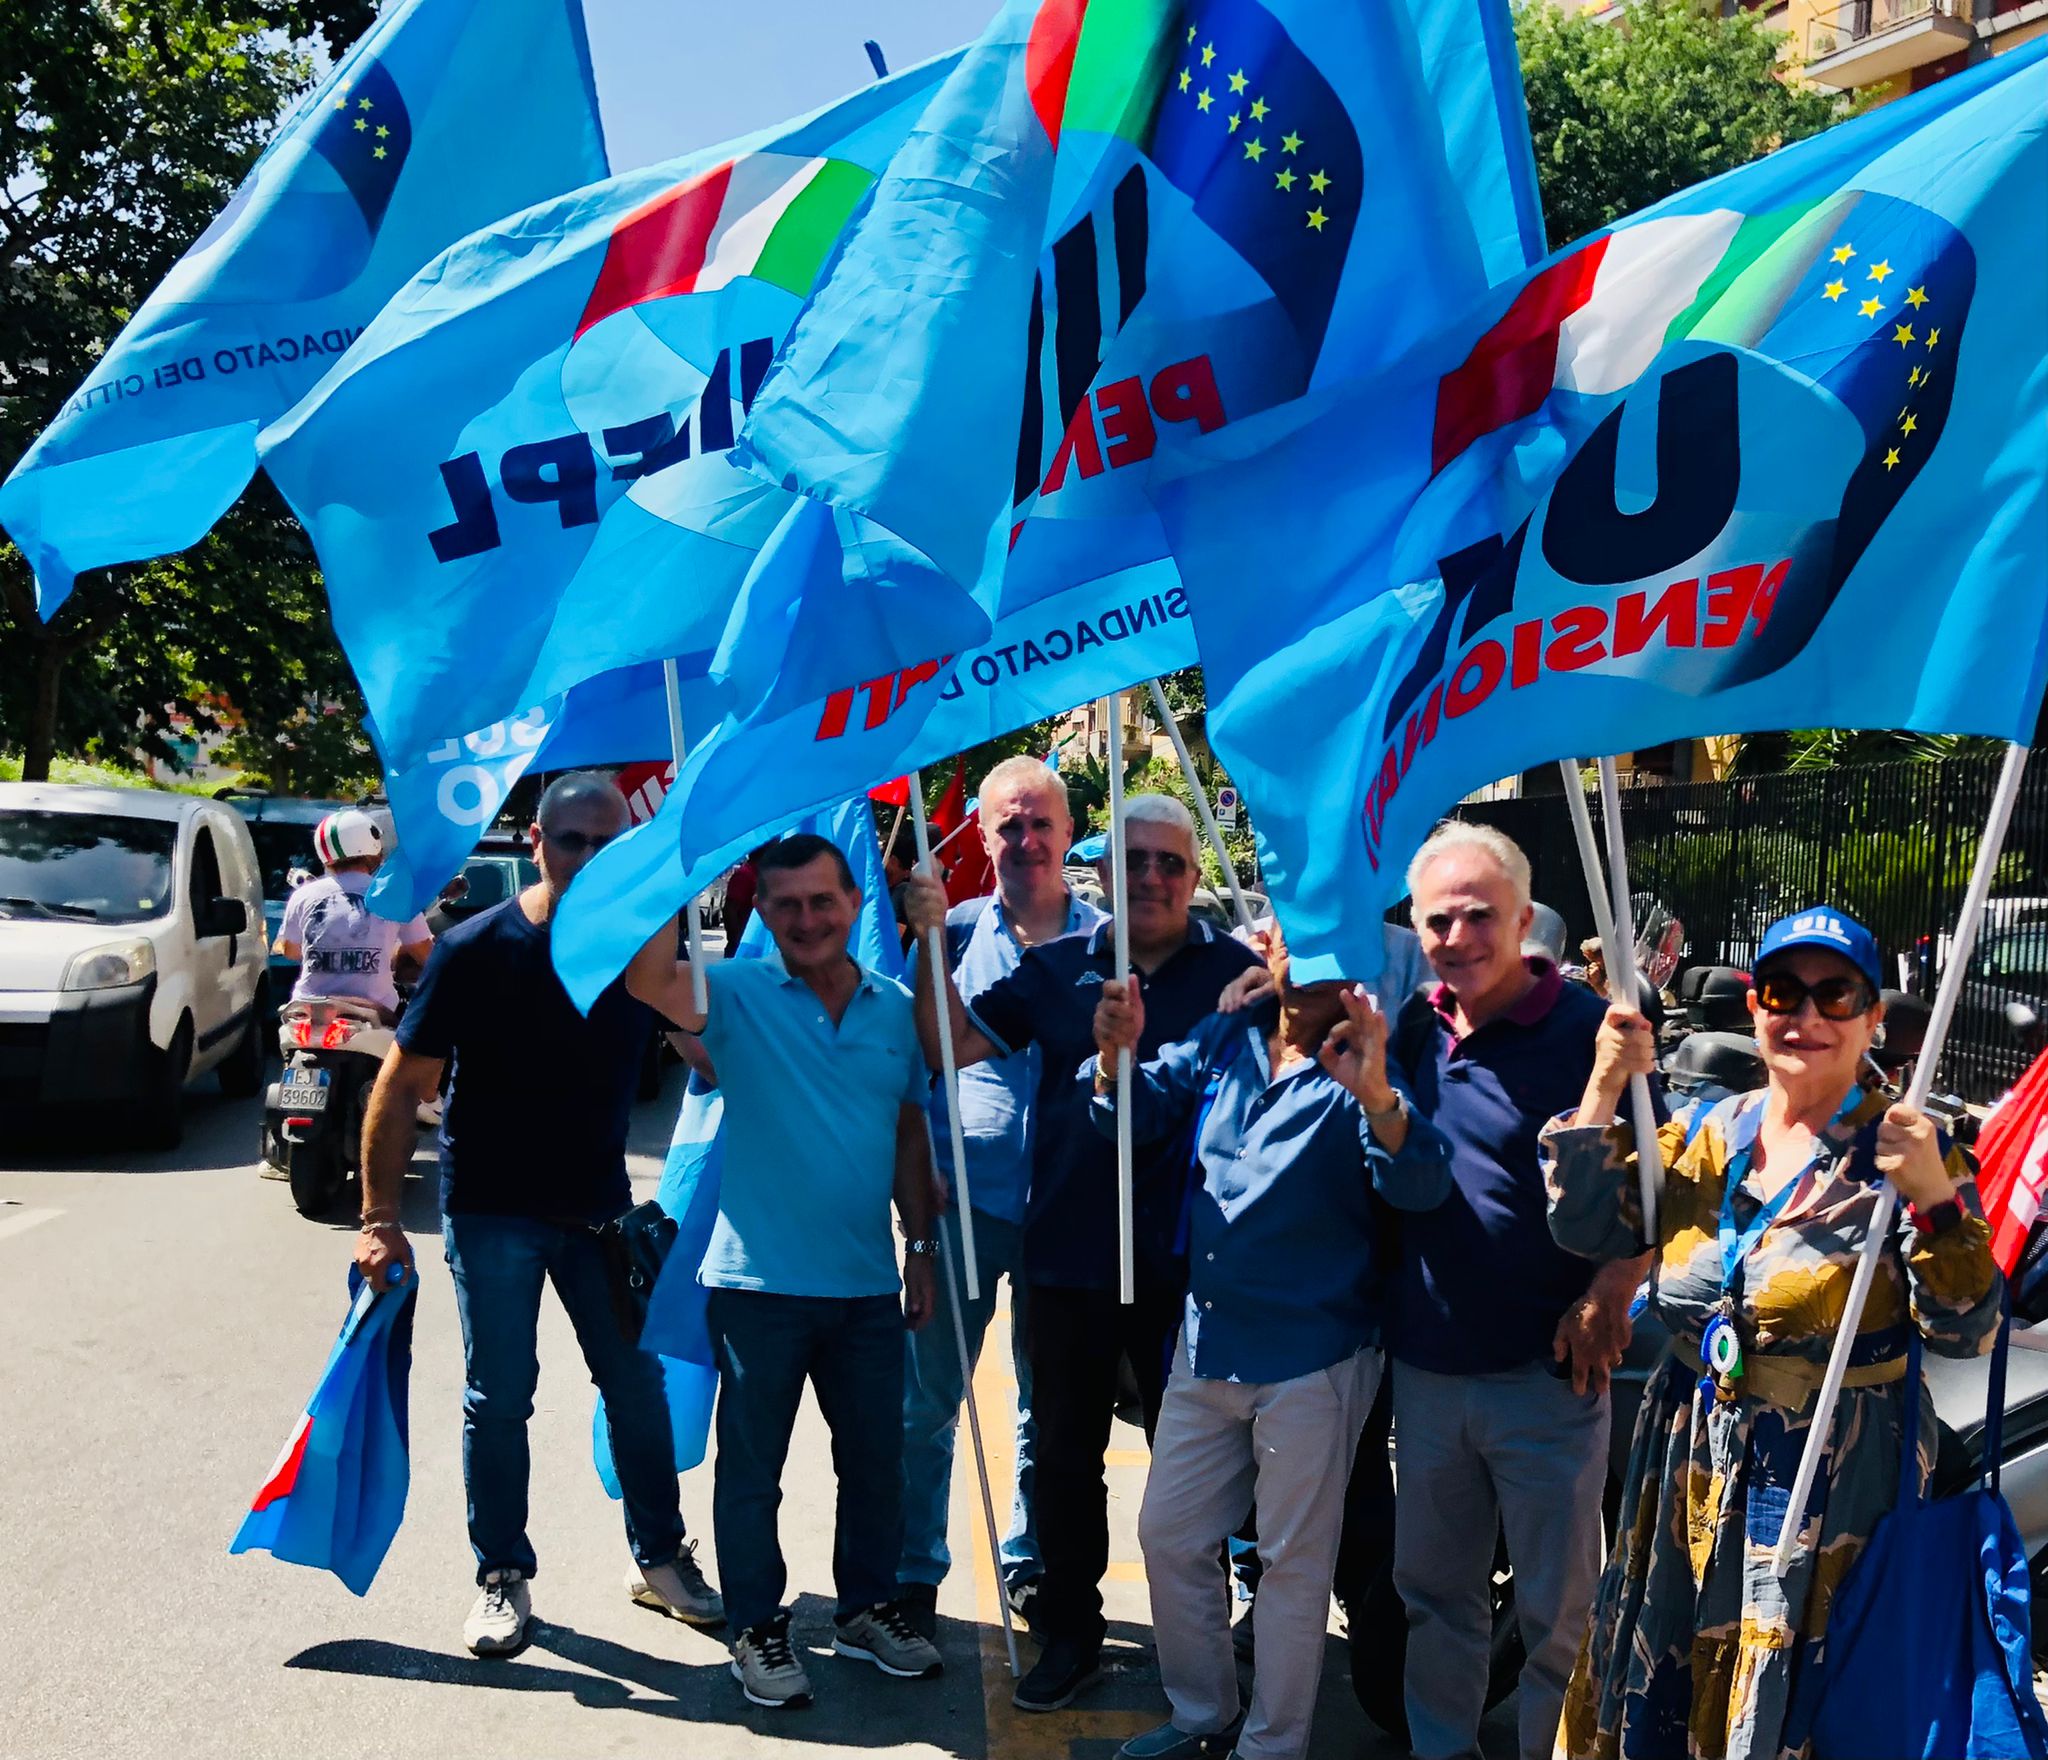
pixel 1913 378
pixel 1910 423
pixel 1843 252
pixel 1316 219
pixel 377 152
pixel 382 132
pixel 1208 53
pixel 1284 180
pixel 1891 458
pixel 1903 334
pixel 1235 119
pixel 1879 270
pixel 1318 181
pixel 363 104
pixel 1186 79
pixel 1869 308
pixel 1238 82
pixel 1259 109
pixel 1203 100
pixel 1834 290
pixel 1191 33
pixel 362 127
pixel 1933 336
pixel 1916 297
pixel 341 103
pixel 1255 149
pixel 1290 143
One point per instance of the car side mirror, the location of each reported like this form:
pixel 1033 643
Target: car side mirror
pixel 456 890
pixel 225 916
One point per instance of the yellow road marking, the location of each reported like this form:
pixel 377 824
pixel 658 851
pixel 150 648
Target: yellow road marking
pixel 1014 1734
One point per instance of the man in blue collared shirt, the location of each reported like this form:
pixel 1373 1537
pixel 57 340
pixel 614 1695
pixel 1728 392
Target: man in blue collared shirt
pixel 1079 1329
pixel 1299 1120
pixel 1026 826
pixel 824 1084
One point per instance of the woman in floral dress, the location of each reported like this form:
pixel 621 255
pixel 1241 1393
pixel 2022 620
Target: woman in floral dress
pixel 1697 1647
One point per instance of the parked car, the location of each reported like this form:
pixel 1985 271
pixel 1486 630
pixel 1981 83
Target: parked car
pixel 129 959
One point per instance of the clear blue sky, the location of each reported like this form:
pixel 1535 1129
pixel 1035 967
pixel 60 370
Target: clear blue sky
pixel 673 75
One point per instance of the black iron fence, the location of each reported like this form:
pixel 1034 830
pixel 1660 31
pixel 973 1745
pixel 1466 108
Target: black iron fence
pixel 1892 844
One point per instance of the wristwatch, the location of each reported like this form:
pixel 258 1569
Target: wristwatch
pixel 1387 1114
pixel 923 1249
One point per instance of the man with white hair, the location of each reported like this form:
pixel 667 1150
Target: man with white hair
pixel 1026 826
pixel 1502 1342
pixel 1078 1328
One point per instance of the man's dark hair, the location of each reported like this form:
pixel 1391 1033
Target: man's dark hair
pixel 800 851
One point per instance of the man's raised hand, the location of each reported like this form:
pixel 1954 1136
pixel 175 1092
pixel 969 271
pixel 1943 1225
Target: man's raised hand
pixel 1355 1052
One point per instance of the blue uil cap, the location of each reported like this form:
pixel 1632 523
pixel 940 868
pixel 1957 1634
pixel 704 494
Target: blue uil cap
pixel 1825 927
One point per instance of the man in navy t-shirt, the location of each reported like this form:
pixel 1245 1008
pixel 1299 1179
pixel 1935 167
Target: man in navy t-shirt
pixel 1502 1341
pixel 533 1158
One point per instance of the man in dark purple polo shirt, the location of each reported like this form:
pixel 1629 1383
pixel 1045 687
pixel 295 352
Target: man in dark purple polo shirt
pixel 1502 1341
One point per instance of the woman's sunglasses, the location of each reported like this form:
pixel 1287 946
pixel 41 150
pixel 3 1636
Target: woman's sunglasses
pixel 1836 999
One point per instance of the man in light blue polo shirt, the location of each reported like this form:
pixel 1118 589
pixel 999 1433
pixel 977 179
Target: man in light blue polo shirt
pixel 1027 826
pixel 824 1085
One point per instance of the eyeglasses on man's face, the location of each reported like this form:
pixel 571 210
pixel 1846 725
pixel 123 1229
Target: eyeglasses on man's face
pixel 577 843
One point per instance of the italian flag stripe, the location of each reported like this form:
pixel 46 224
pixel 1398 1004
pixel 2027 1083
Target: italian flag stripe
pixel 1099 65
pixel 1767 260
pixel 811 224
pixel 658 249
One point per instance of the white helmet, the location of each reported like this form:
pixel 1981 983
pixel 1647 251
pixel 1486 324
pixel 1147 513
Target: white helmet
pixel 346 836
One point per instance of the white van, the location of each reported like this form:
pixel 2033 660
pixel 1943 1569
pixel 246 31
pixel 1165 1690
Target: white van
pixel 131 950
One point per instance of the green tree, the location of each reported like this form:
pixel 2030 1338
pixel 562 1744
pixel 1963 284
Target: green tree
pixel 124 127
pixel 1624 111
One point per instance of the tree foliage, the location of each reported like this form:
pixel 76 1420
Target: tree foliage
pixel 125 125
pixel 1625 111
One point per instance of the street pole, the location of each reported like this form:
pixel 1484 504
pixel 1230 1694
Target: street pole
pixel 1120 905
pixel 1202 808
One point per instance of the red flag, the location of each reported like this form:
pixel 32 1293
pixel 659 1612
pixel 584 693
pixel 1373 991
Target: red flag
pixel 644 784
pixel 2012 1162
pixel 951 812
pixel 968 874
pixel 892 794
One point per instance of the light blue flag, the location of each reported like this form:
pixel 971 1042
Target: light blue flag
pixel 442 805
pixel 1768 454
pixel 519 478
pixel 676 1329
pixel 444 115
pixel 1207 251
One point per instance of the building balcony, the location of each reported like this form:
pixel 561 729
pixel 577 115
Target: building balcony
pixel 1863 42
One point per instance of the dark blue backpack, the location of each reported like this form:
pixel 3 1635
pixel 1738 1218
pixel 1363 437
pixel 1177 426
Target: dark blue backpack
pixel 1927 1645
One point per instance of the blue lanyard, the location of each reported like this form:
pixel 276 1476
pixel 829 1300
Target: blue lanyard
pixel 1735 1247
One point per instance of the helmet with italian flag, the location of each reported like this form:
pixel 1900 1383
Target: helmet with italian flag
pixel 347 836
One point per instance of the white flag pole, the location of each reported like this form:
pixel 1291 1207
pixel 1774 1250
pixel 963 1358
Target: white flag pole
pixel 1202 808
pixel 693 918
pixel 1947 994
pixel 1620 942
pixel 949 1067
pixel 1120 905
pixel 988 1502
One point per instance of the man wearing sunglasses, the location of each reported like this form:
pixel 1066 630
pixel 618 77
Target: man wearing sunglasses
pixel 533 1158
pixel 1078 1328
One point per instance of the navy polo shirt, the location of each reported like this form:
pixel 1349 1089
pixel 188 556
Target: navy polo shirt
pixel 1479 1284
pixel 1070 1232
pixel 1282 1273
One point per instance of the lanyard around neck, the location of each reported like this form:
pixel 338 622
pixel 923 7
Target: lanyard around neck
pixel 1736 1244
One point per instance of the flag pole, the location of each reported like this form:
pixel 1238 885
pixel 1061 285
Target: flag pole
pixel 988 1502
pixel 1619 939
pixel 1120 906
pixel 1946 996
pixel 949 1067
pixel 1202 808
pixel 693 917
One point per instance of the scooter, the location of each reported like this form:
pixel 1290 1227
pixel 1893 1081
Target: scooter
pixel 313 1115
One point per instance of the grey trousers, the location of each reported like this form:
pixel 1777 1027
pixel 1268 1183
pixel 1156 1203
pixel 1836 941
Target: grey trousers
pixel 1517 1451
pixel 1220 1445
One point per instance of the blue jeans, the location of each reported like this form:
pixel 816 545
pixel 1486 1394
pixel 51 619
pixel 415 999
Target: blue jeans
pixel 499 1264
pixel 851 1351
pixel 932 1393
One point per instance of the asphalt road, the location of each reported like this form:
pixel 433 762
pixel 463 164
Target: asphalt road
pixel 164 1318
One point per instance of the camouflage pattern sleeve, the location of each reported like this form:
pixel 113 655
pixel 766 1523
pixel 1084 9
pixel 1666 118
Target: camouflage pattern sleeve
pixel 1956 1285
pixel 1596 1206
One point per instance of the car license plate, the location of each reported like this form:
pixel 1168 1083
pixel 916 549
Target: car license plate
pixel 307 1088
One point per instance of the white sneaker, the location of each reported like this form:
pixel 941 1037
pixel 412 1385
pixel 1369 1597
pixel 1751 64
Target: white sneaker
pixel 497 1623
pixel 766 1667
pixel 679 1590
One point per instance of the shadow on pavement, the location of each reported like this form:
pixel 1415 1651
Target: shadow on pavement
pixel 855 1707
